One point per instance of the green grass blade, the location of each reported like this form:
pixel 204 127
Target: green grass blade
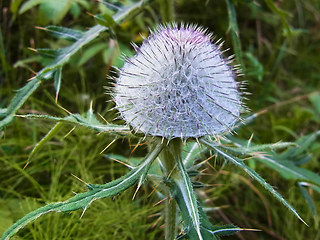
pixel 281 13
pixel 5 65
pixel 45 139
pixel 234 30
pixel 238 162
pixel 83 200
pixel 306 195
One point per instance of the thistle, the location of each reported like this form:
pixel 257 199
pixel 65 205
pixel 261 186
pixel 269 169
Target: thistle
pixel 178 85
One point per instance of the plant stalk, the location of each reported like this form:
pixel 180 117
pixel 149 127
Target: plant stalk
pixel 168 158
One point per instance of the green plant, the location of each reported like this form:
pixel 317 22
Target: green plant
pixel 195 222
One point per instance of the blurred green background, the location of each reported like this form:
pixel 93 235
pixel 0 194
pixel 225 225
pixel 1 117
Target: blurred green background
pixel 275 42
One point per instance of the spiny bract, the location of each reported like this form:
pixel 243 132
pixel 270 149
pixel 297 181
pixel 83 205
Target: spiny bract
pixel 178 85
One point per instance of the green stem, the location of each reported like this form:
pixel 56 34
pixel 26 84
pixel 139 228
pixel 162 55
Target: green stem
pixel 168 158
pixel 167 10
pixel 170 211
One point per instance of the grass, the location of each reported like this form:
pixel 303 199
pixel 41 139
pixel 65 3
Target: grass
pixel 281 70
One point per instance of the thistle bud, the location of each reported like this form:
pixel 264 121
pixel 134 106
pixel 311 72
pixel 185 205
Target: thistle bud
pixel 178 85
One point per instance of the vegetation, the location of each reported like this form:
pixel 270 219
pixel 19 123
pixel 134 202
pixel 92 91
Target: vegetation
pixel 58 54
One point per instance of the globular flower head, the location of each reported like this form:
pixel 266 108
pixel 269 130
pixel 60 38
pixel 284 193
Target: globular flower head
pixel 178 85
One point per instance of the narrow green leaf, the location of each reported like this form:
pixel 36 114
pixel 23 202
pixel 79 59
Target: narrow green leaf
pixel 18 100
pixel 307 197
pixel 77 119
pixel 3 112
pixel 255 68
pixel 46 73
pixel 234 30
pixel 184 186
pixel 83 200
pixel 268 147
pixel 190 153
pixel 14 7
pixel 314 187
pixel 57 81
pixel 65 33
pixel 109 19
pixel 28 5
pixel 238 162
pixel 304 143
pixel 244 147
pixel 128 11
pixel 207 230
pixel 289 170
pixel 5 65
pixel 45 139
pixel 224 230
pixel 315 100
pixel 105 20
pixel 281 13
pixel 24 62
pixel 90 52
pixel 48 52
pixel 75 10
pixel 54 10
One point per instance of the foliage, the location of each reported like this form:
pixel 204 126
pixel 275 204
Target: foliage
pixel 276 45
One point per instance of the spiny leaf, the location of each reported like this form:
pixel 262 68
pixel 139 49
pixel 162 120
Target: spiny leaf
pixel 238 162
pixel 246 148
pixel 208 231
pixel 19 99
pixel 62 32
pixel 190 153
pixel 3 111
pixel 48 52
pixel 289 170
pixel 105 20
pixel 304 143
pixel 89 122
pixel 47 72
pixel 224 230
pixel 83 200
pixel 184 187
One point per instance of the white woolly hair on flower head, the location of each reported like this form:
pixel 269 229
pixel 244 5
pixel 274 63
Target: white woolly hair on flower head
pixel 178 85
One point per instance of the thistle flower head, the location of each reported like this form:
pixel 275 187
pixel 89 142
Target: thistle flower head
pixel 178 85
